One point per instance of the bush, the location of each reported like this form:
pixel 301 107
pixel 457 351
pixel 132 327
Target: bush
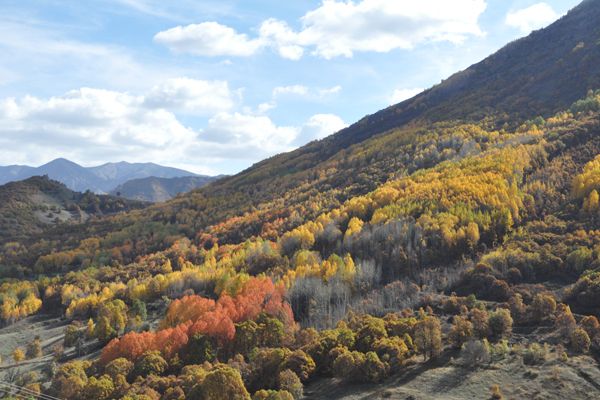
pixel 272 395
pixel 119 366
pixel 72 335
pixel 543 306
pixel 347 364
pixel 224 383
pixel 99 388
pixel 500 323
pixel 461 331
pixel 291 383
pixel 535 354
pixel 372 369
pixel 591 325
pixel 428 336
pixel 151 362
pixel 475 353
pixel 480 320
pixel 301 364
pixel 580 341
pixel 34 349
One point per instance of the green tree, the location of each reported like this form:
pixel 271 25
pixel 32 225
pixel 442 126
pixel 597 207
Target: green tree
pixel 224 383
pixel 428 336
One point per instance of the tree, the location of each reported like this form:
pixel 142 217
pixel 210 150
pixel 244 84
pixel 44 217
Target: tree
pixel 90 329
pixel 428 337
pixel 500 322
pixel 475 353
pixel 199 349
pixel 591 325
pixel 18 355
pixel 460 332
pixel 34 349
pixel 291 383
pixel 580 341
pixel 543 306
pixel 72 335
pixel 150 362
pixel 99 388
pixel 372 369
pixel 224 383
pixel 120 366
pixel 565 321
pixel 301 364
pixel 480 320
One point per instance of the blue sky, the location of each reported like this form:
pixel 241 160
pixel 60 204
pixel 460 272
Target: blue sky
pixel 214 86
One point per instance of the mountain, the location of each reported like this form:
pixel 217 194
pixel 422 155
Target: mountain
pixel 100 179
pixel 35 204
pixel 160 189
pixel 445 244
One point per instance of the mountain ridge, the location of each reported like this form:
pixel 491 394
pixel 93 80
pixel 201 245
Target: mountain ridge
pixel 99 179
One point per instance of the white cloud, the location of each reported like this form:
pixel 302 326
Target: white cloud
pixel 192 96
pixel 339 28
pixel 533 17
pixel 400 95
pixel 93 126
pixel 319 126
pixel 208 39
pixel 299 90
pixel 329 91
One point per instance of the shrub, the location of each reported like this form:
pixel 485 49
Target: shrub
pixel 543 306
pixel 480 320
pixel 120 366
pixel 372 369
pixel 500 322
pixel 428 336
pixel 224 383
pixel 391 350
pixel 565 321
pixel 580 341
pixel 99 388
pixel 18 355
pixel 272 395
pixel 301 364
pixel 34 349
pixel 347 364
pixel 475 353
pixel 151 362
pixel 535 354
pixel 460 332
pixel 291 383
pixel 591 325
pixel 72 335
pixel 496 393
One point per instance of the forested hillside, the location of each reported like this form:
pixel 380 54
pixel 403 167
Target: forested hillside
pixel 456 230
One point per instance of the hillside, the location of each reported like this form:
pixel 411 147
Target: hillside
pixel 100 179
pixel 31 206
pixel 448 246
pixel 155 189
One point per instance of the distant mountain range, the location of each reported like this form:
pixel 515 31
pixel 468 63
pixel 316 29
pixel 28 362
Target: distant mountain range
pixel 107 177
pixel 160 189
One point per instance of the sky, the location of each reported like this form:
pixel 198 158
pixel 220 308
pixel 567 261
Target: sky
pixel 213 86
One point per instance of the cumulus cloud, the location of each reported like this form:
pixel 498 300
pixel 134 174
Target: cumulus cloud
pixel 299 90
pixel 192 96
pixel 533 17
pixel 96 125
pixel 320 126
pixel 338 28
pixel 208 39
pixel 400 95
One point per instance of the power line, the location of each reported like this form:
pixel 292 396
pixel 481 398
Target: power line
pixel 27 391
